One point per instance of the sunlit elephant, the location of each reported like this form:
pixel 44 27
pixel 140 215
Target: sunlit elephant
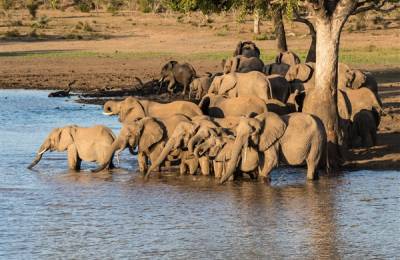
pixel 364 80
pixel 294 139
pixel 276 68
pixel 287 57
pixel 176 73
pixel 364 128
pixel 362 98
pixel 247 49
pixel 179 139
pixel 222 106
pixel 242 64
pixel 200 86
pixel 148 135
pixel 252 83
pixel 89 144
pixel 132 108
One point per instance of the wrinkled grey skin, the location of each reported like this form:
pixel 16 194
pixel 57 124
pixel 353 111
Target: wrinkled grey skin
pixel 364 128
pixel 242 64
pixel 294 139
pixel 276 68
pixel 247 49
pixel 176 73
pixel 200 86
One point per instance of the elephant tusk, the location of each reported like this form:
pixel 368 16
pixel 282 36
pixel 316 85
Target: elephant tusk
pixel 108 113
pixel 42 152
pixel 117 156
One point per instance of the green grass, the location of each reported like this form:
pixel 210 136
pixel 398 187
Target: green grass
pixel 370 55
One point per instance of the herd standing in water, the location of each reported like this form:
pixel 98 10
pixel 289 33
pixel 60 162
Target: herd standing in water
pixel 248 120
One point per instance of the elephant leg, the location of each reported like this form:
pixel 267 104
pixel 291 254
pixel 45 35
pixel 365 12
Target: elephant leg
pixel 312 173
pixel 204 165
pixel 74 162
pixel 270 161
pixel 183 167
pixel 184 88
pixel 217 169
pixel 142 161
pixel 193 166
pixel 171 85
pixel 199 93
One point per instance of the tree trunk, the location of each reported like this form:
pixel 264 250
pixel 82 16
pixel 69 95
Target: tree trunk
pixel 279 29
pixel 256 28
pixel 322 101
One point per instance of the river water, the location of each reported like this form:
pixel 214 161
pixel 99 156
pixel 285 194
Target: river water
pixel 51 213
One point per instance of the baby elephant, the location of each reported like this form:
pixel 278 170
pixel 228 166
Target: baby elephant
pixel 88 144
pixel 364 127
pixel 200 86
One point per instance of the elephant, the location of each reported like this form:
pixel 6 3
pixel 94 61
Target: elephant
pixel 247 49
pixel 132 108
pixel 82 143
pixel 303 72
pixel 222 106
pixel 288 57
pixel 276 68
pixel 149 135
pixel 174 73
pixel 242 64
pixel 363 129
pixel 364 80
pixel 200 86
pixel 179 139
pixel 294 139
pixel 362 98
pixel 252 83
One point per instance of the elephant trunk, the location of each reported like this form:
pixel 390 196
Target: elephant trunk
pixel 43 148
pixel 111 108
pixel 201 149
pixel 118 147
pixel 193 142
pixel 240 142
pixel 160 159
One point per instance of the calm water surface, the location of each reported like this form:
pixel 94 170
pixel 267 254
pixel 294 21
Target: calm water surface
pixel 51 213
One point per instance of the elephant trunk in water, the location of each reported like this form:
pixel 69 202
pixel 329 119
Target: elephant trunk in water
pixel 240 142
pixel 169 146
pixel 43 148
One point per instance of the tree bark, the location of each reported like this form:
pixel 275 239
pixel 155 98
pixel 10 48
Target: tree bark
pixel 322 101
pixel 256 26
pixel 279 29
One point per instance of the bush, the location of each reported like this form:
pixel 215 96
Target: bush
pixel 12 33
pixel 84 6
pixel 84 26
pixel 33 7
pixel 115 5
pixel 264 37
pixel 41 23
pixel 6 4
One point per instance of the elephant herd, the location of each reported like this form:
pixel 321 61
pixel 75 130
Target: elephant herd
pixel 248 120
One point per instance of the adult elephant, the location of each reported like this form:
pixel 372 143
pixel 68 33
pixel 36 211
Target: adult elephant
pixel 276 68
pixel 242 64
pixel 295 138
pixel 362 98
pixel 149 135
pixel 222 106
pixel 252 83
pixel 174 72
pixel 288 57
pixel 363 79
pixel 247 49
pixel 82 143
pixel 132 108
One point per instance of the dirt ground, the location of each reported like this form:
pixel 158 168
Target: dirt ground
pixel 101 51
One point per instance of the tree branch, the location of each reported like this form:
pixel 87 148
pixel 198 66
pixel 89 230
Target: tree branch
pixel 374 6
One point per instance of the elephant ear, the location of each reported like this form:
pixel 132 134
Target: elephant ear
pixel 291 74
pixel 304 72
pixel 278 58
pixel 228 82
pixel 274 128
pixel 235 64
pixel 151 133
pixel 359 79
pixel 238 50
pixel 66 136
pixel 128 105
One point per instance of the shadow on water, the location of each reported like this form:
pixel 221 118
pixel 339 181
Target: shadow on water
pixel 52 212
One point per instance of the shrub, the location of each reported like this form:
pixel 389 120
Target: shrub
pixel 264 37
pixel 12 33
pixel 16 23
pixel 84 6
pixel 41 23
pixel 33 7
pixel 115 5
pixel 6 4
